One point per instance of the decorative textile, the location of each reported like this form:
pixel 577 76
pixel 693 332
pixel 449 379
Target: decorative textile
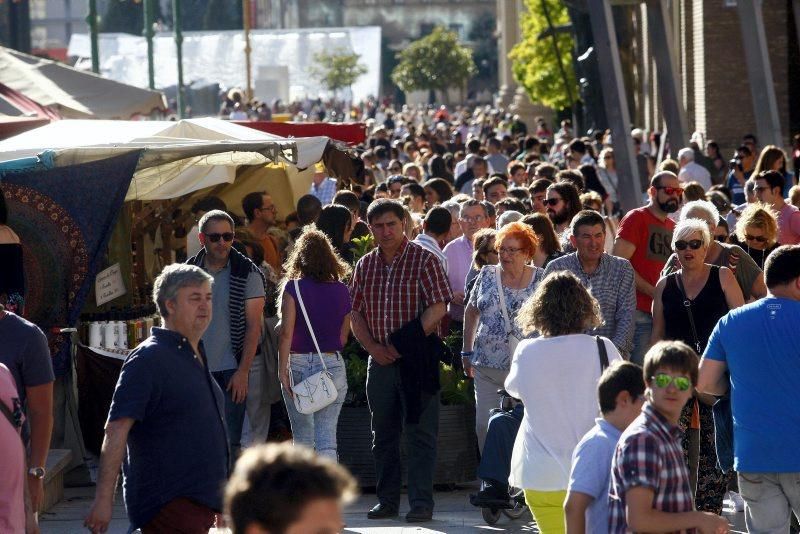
pixel 64 218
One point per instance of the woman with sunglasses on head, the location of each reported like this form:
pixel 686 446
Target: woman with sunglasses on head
pixel 686 306
pixel 757 232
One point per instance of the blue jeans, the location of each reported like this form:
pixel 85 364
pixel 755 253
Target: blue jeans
pixel 317 430
pixel 234 412
pixel 642 330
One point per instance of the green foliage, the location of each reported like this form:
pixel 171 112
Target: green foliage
pixel 356 368
pixel 337 69
pixel 435 62
pixel 361 246
pixel 456 388
pixel 534 61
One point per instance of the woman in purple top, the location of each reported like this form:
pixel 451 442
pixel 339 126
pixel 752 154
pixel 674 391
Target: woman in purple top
pixel 319 271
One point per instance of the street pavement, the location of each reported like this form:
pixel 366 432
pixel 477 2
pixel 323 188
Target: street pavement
pixel 453 515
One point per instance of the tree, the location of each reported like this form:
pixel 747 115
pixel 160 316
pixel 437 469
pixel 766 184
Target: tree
pixel 434 63
pixel 337 69
pixel 547 76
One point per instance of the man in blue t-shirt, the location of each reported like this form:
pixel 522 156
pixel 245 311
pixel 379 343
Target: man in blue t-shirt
pixel 620 393
pixel 759 346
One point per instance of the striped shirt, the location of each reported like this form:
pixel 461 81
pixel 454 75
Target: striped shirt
pixel 613 285
pixel 649 454
pixel 389 296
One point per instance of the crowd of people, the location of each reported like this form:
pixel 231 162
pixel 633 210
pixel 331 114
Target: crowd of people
pixel 473 224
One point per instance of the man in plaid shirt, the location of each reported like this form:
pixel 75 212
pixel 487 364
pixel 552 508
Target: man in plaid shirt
pixel 650 489
pixel 397 282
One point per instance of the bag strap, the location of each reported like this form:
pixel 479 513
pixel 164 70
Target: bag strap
pixel 601 349
pixel 503 308
pixel 10 416
pixel 688 305
pixel 308 323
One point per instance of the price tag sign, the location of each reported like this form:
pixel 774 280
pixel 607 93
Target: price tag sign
pixel 109 285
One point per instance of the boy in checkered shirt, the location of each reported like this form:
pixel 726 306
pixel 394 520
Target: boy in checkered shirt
pixel 650 489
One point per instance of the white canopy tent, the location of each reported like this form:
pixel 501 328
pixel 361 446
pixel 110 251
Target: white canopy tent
pixel 178 158
pixel 75 93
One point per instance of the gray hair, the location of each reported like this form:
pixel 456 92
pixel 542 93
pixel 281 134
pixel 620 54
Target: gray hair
pixel 471 203
pixel 701 209
pixel 453 207
pixel 687 227
pixel 686 154
pixel 215 215
pixel 173 278
pixel 508 217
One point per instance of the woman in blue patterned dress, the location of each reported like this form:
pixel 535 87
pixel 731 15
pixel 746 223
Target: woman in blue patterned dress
pixel 490 331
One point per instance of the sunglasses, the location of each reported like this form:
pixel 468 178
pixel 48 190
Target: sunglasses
pixel 552 201
pixel 663 380
pixel 672 190
pixel 214 238
pixel 721 238
pixel 694 244
pixel 758 238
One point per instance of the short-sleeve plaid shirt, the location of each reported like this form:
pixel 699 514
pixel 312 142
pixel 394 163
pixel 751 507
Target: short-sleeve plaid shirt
pixel 389 296
pixel 649 454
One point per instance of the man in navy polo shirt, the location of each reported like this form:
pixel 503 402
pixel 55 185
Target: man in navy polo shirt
pixel 167 420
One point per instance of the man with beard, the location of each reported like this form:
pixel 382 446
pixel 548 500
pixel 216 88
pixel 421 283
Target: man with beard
pixel 563 203
pixel 644 238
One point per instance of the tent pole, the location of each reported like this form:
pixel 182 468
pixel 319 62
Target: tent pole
pixel 91 20
pixel 148 35
pixel 176 24
pixel 247 49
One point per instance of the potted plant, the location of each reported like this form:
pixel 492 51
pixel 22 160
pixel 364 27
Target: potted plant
pixel 456 443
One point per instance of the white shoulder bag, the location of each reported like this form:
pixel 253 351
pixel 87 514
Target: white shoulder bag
pixel 513 340
pixel 318 390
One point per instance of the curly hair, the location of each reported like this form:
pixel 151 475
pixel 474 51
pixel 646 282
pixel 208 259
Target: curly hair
pixel 313 256
pixel 528 239
pixel 760 216
pixel 560 306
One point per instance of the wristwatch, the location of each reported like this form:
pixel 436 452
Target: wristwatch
pixel 36 472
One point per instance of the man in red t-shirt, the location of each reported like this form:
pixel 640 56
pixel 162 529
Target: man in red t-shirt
pixel 644 238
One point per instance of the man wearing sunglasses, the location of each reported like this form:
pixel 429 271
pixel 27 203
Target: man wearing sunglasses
pixel 650 489
pixel 644 238
pixel 232 338
pixel 753 352
pixel 769 189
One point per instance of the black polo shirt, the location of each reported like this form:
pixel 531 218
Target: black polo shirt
pixel 178 445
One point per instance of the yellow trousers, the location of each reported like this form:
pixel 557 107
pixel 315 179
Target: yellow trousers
pixel 547 508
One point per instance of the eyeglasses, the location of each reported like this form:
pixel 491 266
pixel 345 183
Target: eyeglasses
pixel 214 238
pixel 760 188
pixel 663 380
pixel 552 201
pixel 694 244
pixel 757 238
pixel 671 190
pixel 721 238
pixel 475 219
pixel 508 250
pixel 608 157
pixel 268 208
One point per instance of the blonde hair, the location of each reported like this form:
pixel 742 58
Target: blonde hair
pixel 761 216
pixel 687 227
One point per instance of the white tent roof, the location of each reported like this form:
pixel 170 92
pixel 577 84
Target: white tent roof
pixel 178 157
pixel 74 93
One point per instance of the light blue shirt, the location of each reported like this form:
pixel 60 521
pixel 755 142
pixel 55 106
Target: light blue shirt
pixel 591 472
pixel 760 344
